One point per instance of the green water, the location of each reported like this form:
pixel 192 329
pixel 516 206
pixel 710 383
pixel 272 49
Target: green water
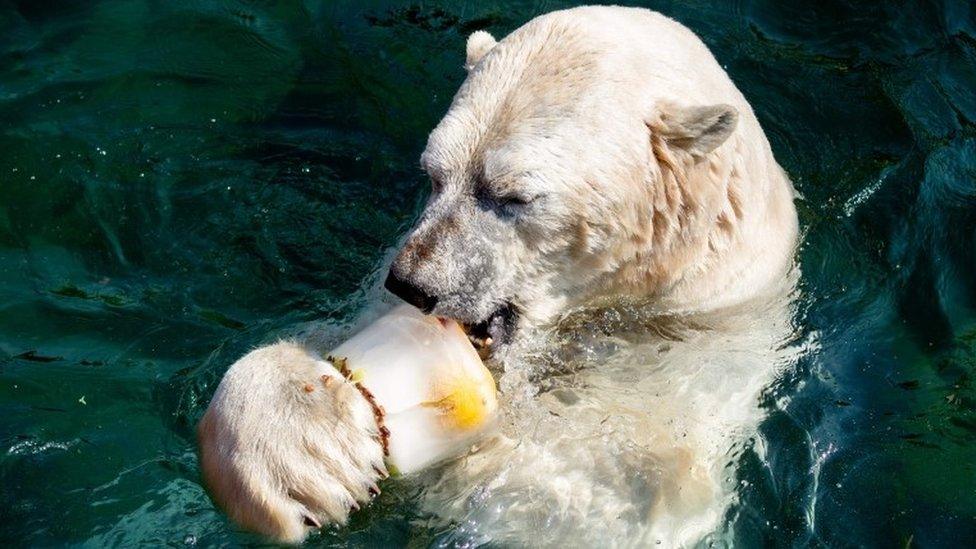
pixel 182 181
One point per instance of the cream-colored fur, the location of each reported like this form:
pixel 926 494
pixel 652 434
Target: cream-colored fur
pixel 598 151
pixel 595 156
pixel 288 444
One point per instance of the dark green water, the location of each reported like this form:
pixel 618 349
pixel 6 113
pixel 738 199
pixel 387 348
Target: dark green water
pixel 182 181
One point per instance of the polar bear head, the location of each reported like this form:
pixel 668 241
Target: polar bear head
pixel 565 167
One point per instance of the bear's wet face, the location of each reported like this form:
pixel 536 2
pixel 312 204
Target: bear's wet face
pixel 546 188
pixel 467 258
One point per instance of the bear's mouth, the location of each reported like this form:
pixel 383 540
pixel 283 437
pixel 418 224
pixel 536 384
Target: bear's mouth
pixel 497 328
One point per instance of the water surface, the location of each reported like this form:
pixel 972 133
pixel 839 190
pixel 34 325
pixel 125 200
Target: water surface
pixel 181 181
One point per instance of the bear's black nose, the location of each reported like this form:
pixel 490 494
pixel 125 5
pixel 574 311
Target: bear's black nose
pixel 410 292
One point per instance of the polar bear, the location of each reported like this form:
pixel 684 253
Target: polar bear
pixel 608 217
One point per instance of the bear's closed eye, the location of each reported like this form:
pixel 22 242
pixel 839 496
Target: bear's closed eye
pixel 517 200
pixel 490 200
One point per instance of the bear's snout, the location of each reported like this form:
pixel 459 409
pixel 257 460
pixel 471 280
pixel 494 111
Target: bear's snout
pixel 409 292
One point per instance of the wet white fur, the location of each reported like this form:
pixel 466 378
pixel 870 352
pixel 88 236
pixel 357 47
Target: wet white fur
pixel 660 190
pixel 645 171
pixel 283 449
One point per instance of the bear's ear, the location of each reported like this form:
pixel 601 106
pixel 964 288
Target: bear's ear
pixel 698 130
pixel 479 43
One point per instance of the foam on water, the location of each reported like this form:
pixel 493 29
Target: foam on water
pixel 621 428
